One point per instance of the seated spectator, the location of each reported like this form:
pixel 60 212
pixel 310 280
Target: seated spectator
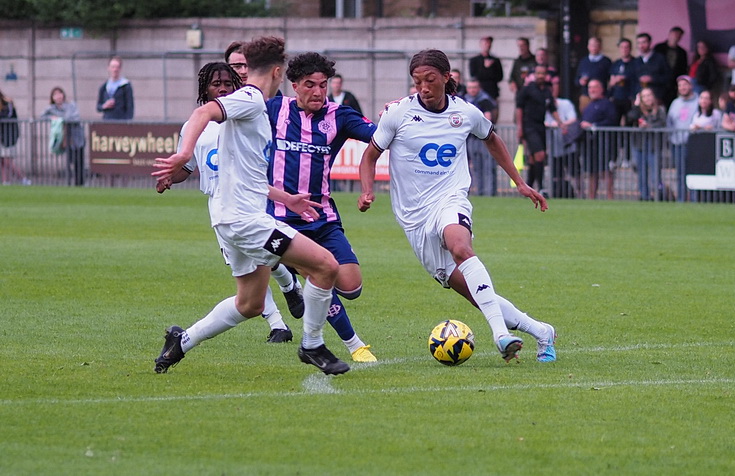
pixel 707 117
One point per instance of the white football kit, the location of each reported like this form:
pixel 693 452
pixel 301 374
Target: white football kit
pixel 429 172
pixel 206 159
pixel 251 237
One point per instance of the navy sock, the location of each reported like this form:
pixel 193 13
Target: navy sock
pixel 337 318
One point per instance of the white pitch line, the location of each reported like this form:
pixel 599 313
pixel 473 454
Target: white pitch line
pixel 487 388
pixel 320 384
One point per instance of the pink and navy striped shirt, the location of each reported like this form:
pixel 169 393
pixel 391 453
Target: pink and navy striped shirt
pixel 304 147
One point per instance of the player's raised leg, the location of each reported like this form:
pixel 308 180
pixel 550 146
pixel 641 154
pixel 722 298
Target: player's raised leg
pixel 251 290
pixel 472 280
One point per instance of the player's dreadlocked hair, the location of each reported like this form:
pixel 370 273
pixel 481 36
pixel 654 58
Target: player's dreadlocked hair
pixel 309 63
pixel 436 59
pixel 207 73
pixel 265 52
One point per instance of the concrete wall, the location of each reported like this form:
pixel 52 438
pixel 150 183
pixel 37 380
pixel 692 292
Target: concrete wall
pixel 372 54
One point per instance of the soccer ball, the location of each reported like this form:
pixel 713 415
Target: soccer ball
pixel 451 342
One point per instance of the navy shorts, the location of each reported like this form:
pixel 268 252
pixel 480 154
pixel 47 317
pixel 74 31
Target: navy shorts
pixel 331 236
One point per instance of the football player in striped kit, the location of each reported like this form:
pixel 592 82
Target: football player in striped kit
pixel 308 132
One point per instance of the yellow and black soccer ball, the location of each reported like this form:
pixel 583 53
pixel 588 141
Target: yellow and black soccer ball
pixel 451 342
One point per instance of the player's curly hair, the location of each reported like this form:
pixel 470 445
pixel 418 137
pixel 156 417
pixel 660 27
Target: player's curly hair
pixel 207 73
pixel 265 52
pixel 436 59
pixel 309 63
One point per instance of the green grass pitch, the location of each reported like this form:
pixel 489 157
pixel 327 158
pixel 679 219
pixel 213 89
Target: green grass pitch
pixel 641 294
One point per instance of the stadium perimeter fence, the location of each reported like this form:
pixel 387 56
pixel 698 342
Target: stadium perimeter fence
pixel 615 152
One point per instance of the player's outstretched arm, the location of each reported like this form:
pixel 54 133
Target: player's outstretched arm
pixel 499 151
pixel 168 166
pixel 367 177
pixel 298 203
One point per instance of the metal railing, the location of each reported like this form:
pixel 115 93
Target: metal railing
pixel 614 163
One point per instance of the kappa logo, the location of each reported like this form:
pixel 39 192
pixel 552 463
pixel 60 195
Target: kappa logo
pixel 482 287
pixel 275 244
pixel 417 118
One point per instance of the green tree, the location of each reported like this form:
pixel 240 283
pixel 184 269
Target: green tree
pixel 101 15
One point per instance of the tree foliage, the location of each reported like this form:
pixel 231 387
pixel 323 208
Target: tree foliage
pixel 101 15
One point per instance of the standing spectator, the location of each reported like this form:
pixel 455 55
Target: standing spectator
pixel 235 57
pixel 651 70
pixel 340 96
pixel 483 168
pixel 622 79
pixel 522 66
pixel 115 98
pixel 680 116
pixel 457 77
pixel 646 114
pixel 677 60
pixel 542 57
pixel 593 66
pixel 564 156
pixel 731 63
pixel 707 117
pixel 74 141
pixel 599 146
pixel 9 133
pixel 487 69
pixel 532 103
pixel 705 72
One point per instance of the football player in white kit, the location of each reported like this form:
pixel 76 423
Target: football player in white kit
pixel 252 240
pixel 429 181
pixel 217 80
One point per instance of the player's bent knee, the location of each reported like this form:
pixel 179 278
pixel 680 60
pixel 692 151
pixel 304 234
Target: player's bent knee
pixel 354 294
pixel 249 310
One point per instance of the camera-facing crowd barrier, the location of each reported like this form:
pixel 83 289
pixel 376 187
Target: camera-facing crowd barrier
pixel 614 163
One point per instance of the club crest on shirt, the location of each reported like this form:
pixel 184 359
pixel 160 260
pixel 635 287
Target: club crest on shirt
pixel 455 120
pixel 324 127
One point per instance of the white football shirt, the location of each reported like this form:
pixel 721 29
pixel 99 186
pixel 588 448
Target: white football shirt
pixel 244 153
pixel 428 155
pixel 206 159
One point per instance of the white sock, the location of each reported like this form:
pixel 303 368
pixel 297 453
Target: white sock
pixel 516 319
pixel 271 313
pixel 481 288
pixel 354 343
pixel 224 316
pixel 283 277
pixel 316 306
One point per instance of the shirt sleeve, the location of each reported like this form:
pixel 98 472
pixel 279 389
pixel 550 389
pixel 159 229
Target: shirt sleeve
pixel 481 126
pixel 387 126
pixel 356 126
pixel 244 104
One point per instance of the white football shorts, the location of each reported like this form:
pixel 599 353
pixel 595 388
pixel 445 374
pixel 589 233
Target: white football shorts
pixel 428 241
pixel 256 240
